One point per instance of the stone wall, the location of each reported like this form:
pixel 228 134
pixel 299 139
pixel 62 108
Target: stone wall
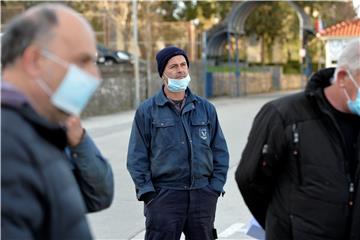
pixel 117 90
pixel 292 81
pixel 252 81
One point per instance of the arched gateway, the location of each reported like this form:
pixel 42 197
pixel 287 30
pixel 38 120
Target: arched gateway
pixel 234 25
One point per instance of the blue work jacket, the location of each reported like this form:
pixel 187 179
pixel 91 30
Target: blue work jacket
pixel 177 149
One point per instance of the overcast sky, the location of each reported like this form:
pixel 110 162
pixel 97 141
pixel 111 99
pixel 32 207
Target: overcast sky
pixel 357 6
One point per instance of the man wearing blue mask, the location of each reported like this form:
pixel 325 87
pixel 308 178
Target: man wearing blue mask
pixel 300 173
pixel 177 156
pixel 48 76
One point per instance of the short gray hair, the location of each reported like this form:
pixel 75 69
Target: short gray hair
pixel 350 57
pixel 25 29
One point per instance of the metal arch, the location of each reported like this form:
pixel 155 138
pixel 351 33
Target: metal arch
pixel 217 37
pixel 302 17
pixel 214 42
pixel 235 24
pixel 239 14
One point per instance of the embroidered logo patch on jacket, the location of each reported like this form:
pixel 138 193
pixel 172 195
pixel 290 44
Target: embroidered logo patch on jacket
pixel 203 133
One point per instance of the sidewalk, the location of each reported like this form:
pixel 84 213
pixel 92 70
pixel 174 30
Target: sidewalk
pixel 99 126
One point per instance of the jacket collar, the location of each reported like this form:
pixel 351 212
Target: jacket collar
pixel 315 90
pixel 11 98
pixel 319 81
pixel 161 99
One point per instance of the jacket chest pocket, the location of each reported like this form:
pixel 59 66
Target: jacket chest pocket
pixel 201 131
pixel 165 133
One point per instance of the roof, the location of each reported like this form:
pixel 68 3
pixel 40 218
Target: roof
pixel 348 28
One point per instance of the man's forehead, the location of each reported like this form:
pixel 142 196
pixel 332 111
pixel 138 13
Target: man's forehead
pixel 74 35
pixel 73 27
pixel 177 59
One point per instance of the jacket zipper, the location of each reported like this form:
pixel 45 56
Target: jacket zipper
pixel 351 185
pixel 351 194
pixel 295 152
pixel 185 125
pixel 347 172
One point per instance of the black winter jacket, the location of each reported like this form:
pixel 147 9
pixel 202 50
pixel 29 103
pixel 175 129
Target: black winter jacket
pixel 40 198
pixel 293 173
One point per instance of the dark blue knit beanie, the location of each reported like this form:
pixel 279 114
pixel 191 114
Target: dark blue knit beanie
pixel 164 55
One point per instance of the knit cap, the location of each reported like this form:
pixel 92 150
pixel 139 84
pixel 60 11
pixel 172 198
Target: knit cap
pixel 165 54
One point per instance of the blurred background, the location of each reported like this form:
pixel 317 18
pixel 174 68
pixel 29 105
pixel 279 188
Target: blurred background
pixel 235 47
pixel 242 54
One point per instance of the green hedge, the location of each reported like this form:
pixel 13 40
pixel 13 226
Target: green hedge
pixel 292 67
pixel 229 69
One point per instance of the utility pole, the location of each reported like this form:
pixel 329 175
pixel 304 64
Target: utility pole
pixel 149 50
pixel 136 57
pixel 302 51
pixel 207 85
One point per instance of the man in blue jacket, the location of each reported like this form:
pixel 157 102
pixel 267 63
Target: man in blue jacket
pixel 177 155
pixel 48 75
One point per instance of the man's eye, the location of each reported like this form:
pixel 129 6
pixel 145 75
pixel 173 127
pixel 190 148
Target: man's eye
pixel 86 61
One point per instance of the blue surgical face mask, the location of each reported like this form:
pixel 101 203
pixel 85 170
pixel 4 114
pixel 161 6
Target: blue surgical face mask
pixel 75 90
pixel 353 105
pixel 178 85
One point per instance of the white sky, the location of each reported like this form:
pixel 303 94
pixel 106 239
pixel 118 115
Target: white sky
pixel 356 4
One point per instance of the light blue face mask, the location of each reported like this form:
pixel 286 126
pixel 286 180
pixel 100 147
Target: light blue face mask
pixel 74 91
pixel 178 85
pixel 353 105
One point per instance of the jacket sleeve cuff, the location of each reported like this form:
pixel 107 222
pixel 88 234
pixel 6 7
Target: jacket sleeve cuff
pixel 217 185
pixel 147 197
pixel 86 153
pixel 141 191
pixel 85 144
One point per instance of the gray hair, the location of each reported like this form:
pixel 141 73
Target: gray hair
pixel 34 25
pixel 349 58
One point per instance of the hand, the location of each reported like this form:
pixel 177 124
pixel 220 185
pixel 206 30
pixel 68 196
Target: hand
pixel 148 197
pixel 75 131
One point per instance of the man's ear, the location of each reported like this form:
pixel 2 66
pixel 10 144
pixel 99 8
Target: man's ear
pixel 341 77
pixel 31 61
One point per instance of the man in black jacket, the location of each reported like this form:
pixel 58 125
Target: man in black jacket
pixel 47 75
pixel 299 172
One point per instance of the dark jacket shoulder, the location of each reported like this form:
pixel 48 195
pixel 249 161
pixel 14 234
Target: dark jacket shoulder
pixel 35 173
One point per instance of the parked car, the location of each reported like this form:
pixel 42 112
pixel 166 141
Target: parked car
pixel 108 56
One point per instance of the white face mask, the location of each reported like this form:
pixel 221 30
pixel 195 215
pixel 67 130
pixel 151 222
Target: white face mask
pixel 353 105
pixel 178 85
pixel 74 91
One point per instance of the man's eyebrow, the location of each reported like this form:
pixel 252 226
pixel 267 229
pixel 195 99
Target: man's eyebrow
pixel 175 64
pixel 86 57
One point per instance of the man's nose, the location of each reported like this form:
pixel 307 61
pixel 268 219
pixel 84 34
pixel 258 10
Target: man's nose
pixel 182 69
